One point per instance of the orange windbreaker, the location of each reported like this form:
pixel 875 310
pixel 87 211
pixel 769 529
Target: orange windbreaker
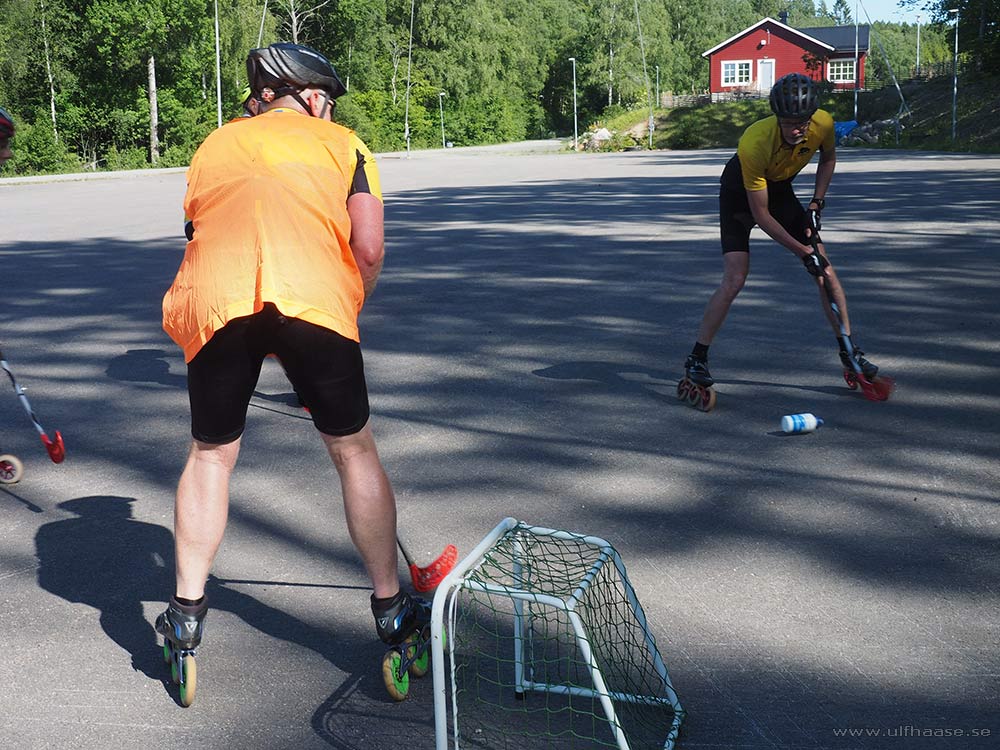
pixel 268 199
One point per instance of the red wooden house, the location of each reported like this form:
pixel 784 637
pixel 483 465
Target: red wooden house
pixel 754 59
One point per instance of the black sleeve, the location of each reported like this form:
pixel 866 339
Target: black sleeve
pixel 359 184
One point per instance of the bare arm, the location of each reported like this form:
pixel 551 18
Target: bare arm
pixel 367 237
pixel 774 230
pixel 824 172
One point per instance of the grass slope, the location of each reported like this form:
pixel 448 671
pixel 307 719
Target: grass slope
pixel 927 127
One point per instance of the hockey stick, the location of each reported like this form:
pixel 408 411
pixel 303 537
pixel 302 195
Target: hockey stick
pixel 880 387
pixel 55 448
pixel 427 579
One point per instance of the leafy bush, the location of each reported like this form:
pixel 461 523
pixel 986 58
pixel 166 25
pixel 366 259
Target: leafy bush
pixel 36 151
pixel 128 158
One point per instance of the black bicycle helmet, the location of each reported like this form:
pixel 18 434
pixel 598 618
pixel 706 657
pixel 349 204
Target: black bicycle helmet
pixel 794 95
pixel 283 69
pixel 6 124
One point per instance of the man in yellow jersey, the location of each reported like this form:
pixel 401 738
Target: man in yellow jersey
pixel 285 245
pixel 756 189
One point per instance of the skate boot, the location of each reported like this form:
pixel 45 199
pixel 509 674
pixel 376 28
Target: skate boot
pixel 695 388
pixel 404 626
pixel 181 626
pixel 869 370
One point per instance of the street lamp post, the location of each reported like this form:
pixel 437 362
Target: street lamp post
pixel 441 96
pixel 657 86
pixel 576 140
pixel 954 81
pixel 918 46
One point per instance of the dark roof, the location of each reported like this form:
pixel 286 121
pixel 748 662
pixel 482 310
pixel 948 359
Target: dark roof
pixel 840 38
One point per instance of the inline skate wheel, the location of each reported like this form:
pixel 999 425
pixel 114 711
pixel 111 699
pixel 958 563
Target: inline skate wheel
pixel 683 388
pixel 11 469
pixel 701 398
pixel 420 664
pixel 190 682
pixel 398 685
pixel 851 379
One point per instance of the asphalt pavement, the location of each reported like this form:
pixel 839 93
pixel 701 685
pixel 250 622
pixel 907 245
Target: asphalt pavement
pixel 833 590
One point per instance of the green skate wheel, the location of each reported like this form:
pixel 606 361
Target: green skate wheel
pixel 397 685
pixel 166 652
pixel 190 682
pixel 419 665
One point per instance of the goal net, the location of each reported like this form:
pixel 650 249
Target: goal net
pixel 539 641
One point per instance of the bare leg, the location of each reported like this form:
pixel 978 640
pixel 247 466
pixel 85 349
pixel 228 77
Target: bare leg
pixel 735 267
pixel 369 505
pixel 837 292
pixel 200 513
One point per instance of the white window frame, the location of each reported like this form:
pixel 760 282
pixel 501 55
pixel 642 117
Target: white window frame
pixel 841 62
pixel 736 83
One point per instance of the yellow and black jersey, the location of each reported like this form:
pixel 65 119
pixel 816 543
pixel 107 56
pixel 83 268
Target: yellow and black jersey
pixel 765 157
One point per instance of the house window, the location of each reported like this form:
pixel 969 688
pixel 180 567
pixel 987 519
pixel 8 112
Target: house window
pixel 841 71
pixel 736 73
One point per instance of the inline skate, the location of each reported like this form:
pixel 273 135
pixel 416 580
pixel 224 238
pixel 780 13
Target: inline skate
pixel 853 362
pixel 404 625
pixel 695 388
pixel 181 626
pixel 858 371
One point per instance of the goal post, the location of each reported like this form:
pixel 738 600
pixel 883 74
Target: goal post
pixel 539 640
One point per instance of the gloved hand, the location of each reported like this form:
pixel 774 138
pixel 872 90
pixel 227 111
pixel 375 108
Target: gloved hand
pixel 813 217
pixel 815 263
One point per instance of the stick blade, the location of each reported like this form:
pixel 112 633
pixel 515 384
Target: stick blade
pixel 878 389
pixel 56 448
pixel 427 579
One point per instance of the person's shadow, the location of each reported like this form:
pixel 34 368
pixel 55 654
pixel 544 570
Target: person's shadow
pixel 106 559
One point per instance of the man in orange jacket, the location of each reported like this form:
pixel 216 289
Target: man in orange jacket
pixel 285 244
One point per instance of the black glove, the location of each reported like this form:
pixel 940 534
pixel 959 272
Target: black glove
pixel 815 263
pixel 813 216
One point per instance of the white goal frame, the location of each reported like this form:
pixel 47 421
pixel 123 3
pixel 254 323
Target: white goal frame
pixel 445 605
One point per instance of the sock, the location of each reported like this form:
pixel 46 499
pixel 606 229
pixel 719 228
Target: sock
pixel 189 602
pixel 700 352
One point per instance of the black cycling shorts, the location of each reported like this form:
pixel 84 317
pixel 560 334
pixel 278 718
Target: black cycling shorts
pixel 736 220
pixel 325 369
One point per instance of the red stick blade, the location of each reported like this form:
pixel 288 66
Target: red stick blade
pixel 427 579
pixel 878 389
pixel 56 449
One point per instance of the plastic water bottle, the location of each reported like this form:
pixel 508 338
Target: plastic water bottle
pixel 797 423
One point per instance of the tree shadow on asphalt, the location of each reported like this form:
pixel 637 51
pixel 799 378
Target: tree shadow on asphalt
pixel 546 336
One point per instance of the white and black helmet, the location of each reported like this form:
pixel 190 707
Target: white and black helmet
pixel 284 69
pixel 794 95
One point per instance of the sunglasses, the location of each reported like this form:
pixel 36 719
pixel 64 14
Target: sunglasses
pixel 795 124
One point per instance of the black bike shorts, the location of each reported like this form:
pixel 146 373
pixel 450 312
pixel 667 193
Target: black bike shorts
pixel 736 220
pixel 325 369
